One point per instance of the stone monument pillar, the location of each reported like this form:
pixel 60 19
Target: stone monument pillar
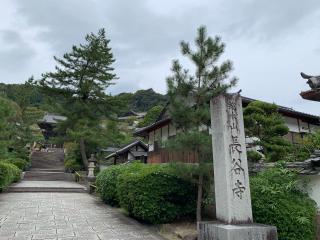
pixel 231 177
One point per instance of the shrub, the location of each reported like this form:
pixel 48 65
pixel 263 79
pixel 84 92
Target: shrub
pixel 72 165
pixel 277 200
pixel 153 195
pixel 8 173
pixel 254 156
pixel 73 161
pixel 107 182
pixel 19 162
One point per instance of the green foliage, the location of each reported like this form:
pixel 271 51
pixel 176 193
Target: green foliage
pixel 113 136
pixel 31 97
pixel 24 95
pixel 14 134
pixel 8 173
pixel 144 100
pixel 140 101
pixel 189 96
pixel 194 141
pixel 72 161
pixel 253 156
pixel 107 184
pixel 22 164
pixel 80 79
pixel 149 193
pixel 152 195
pixel 72 165
pixel 263 122
pixel 32 115
pixel 277 200
pixel 303 150
pixel 151 116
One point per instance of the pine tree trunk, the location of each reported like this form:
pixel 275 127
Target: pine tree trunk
pixel 83 152
pixel 199 200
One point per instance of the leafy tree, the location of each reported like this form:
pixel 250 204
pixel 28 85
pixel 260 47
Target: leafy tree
pixel 5 113
pixel 32 114
pixel 278 199
pixel 151 116
pixel 14 134
pixel 23 94
pixel 189 96
pixel 140 101
pixel 81 78
pixel 265 124
pixel 305 148
pixel 144 100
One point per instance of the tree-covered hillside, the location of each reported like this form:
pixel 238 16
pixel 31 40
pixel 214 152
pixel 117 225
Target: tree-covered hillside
pixel 27 95
pixel 141 100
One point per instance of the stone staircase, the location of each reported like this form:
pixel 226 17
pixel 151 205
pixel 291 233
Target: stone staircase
pixel 48 166
pixel 52 159
pixel 47 174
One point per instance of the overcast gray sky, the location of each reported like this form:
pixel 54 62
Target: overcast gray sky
pixel 269 41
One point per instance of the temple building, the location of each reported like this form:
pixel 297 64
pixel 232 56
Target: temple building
pixel 48 124
pixel 299 124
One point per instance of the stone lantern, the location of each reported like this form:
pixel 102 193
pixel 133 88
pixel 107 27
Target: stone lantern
pixel 92 164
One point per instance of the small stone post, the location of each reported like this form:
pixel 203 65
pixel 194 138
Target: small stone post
pixel 231 177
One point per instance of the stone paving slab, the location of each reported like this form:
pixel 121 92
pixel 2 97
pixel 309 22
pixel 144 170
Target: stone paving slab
pixel 48 184
pixel 64 216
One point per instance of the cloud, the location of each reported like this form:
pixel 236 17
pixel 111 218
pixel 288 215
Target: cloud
pixel 268 19
pixel 269 41
pixel 15 53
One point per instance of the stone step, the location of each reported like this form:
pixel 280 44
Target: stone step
pixel 47 160
pixel 45 189
pixel 46 186
pixel 47 169
pixel 47 176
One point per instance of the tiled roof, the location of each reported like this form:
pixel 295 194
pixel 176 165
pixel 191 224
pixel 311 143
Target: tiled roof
pixel 52 118
pixel 162 119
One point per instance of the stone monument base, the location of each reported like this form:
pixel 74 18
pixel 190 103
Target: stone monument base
pixel 221 231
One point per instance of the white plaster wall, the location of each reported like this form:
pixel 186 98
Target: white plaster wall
pixel 130 156
pixel 151 141
pixel 164 133
pixel 292 124
pixel 303 126
pixel 157 134
pixel 313 187
pixel 140 149
pixel 172 130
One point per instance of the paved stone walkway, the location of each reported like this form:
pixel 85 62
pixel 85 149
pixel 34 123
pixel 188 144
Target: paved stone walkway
pixel 65 216
pixel 46 186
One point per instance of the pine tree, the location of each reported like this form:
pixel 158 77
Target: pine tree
pixel 81 78
pixel 189 96
pixel 264 123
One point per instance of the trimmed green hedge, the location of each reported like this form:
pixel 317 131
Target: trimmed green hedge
pixel 149 193
pixel 19 162
pixel 8 173
pixel 156 194
pixel 107 184
pixel 277 201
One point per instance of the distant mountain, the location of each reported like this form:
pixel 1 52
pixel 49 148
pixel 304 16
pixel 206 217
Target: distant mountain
pixel 143 100
pixel 140 101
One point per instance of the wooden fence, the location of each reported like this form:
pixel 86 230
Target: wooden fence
pixel 165 156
